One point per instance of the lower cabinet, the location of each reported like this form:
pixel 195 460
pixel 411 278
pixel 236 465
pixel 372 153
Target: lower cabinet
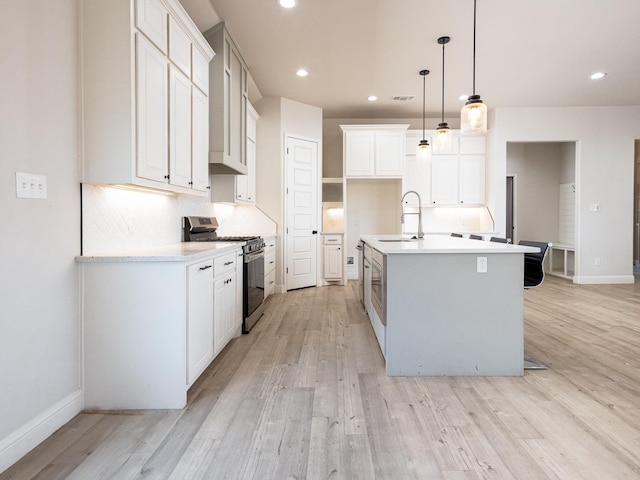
pixel 151 327
pixel 269 266
pixel 332 262
pixel 199 319
pixel 332 257
pixel 225 295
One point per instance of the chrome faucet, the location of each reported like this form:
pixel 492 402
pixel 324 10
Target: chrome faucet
pixel 419 212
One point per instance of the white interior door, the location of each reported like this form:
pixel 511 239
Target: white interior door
pixel 302 213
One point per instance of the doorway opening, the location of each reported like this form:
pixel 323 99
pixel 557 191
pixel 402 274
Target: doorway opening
pixel 541 200
pixel 636 210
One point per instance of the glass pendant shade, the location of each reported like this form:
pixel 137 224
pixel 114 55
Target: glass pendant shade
pixel 443 139
pixel 473 117
pixel 423 152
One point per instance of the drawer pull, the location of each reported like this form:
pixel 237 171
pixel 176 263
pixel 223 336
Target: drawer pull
pixel 205 267
pixel 228 263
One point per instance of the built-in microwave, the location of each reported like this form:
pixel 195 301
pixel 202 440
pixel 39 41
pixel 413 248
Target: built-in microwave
pixel 379 284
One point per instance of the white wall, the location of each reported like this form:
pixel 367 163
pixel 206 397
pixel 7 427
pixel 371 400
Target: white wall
pixel 604 174
pixel 39 299
pixel 280 117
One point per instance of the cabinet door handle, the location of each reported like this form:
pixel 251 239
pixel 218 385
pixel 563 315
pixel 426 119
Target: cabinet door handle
pixel 366 266
pixel 206 266
pixel 314 232
pixel 272 261
pixel 227 263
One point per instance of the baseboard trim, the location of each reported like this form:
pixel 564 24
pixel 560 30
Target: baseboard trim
pixel 30 435
pixel 604 279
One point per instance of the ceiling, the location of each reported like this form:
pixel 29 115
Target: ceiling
pixel 535 53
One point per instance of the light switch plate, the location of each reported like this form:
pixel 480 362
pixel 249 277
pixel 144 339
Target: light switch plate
pixel 30 185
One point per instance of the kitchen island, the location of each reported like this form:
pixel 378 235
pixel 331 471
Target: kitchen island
pixel 453 306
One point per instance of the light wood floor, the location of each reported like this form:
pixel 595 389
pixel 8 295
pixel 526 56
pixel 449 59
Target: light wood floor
pixel 305 396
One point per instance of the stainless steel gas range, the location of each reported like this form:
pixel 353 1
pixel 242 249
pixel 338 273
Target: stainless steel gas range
pixel 203 229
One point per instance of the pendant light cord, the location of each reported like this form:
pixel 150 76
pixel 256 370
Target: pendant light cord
pixel 424 82
pixel 474 46
pixel 443 44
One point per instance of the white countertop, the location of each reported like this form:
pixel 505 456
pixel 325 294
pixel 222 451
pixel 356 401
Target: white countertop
pixel 440 244
pixel 173 252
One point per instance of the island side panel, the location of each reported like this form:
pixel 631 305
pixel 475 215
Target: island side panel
pixel 445 319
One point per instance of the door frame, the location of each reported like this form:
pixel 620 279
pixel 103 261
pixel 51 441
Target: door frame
pixel 285 207
pixel 514 208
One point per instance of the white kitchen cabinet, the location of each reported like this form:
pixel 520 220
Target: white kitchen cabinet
pixel 149 326
pixel 374 151
pixel 269 266
pixel 134 98
pixel 444 180
pixel 240 189
pixel 471 180
pixel 152 112
pixel 199 319
pixel 179 47
pixel 180 140
pixel 332 262
pixel 228 76
pixel 200 140
pixel 151 19
pixel 459 179
pixel 224 301
pixel 417 173
pixel 332 257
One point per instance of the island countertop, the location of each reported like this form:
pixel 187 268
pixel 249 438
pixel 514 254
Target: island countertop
pixel 396 244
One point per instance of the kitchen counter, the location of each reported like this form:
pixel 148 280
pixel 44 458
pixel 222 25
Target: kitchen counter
pixel 173 252
pixel 392 244
pixel 453 306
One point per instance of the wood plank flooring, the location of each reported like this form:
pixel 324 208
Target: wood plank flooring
pixel 305 396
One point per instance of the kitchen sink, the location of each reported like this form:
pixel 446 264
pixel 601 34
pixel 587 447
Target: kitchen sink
pixel 397 239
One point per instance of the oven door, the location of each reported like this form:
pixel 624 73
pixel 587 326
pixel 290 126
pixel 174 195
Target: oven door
pixel 253 289
pixel 379 290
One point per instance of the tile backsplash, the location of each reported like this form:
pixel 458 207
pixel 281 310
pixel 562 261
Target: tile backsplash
pixel 117 220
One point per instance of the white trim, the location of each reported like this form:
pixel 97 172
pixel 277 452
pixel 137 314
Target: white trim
pixel 30 435
pixel 603 279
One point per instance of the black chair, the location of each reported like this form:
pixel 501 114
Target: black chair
pixel 498 240
pixel 456 235
pixel 534 263
pixel 475 237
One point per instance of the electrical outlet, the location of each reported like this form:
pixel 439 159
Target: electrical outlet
pixel 481 264
pixel 29 185
pixel 596 261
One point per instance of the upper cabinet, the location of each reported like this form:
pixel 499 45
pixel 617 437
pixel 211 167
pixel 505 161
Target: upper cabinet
pixel 228 77
pixel 240 189
pixel 459 178
pixel 374 151
pixel 144 96
pixel 456 177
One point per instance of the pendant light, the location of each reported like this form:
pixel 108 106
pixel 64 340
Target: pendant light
pixel 424 149
pixel 443 138
pixel 473 117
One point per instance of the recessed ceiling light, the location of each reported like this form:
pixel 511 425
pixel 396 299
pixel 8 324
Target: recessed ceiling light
pixel 302 73
pixel 597 75
pixel 287 3
pixel 372 98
